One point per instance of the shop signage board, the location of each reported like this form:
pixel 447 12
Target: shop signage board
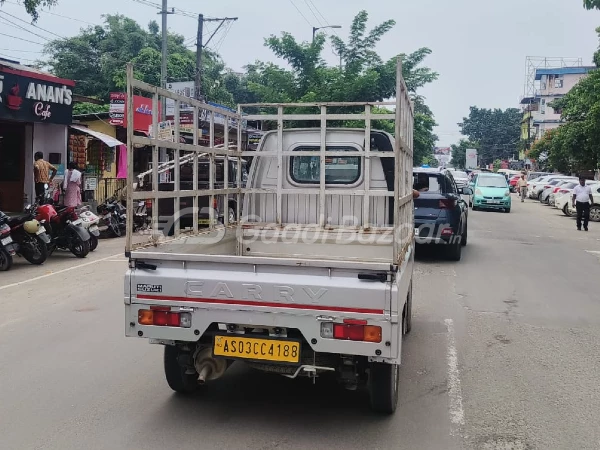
pixel 184 88
pixel 90 183
pixel 471 158
pixel 33 97
pixel 117 111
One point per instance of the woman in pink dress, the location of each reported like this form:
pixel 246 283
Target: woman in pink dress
pixel 72 186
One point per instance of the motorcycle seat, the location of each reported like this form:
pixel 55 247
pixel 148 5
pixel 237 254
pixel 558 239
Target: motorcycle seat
pixel 18 219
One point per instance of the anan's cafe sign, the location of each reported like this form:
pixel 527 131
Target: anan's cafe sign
pixel 35 97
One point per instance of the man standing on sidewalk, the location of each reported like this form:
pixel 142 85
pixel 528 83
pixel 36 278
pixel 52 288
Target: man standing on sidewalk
pixel 43 174
pixel 582 200
pixel 522 187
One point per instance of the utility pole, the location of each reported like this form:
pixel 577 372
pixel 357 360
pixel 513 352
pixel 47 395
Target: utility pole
pixel 198 80
pixel 200 46
pixel 163 67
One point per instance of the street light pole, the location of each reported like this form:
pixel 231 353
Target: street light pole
pixel 315 29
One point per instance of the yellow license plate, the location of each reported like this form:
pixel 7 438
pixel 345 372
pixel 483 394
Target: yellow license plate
pixel 203 221
pixel 257 349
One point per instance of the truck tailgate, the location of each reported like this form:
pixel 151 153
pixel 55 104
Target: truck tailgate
pixel 263 295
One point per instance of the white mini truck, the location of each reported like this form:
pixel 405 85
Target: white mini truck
pixel 316 275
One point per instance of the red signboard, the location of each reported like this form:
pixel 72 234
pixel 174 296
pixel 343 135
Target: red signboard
pixel 142 115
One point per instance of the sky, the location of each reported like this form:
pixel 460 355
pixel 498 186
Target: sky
pixel 479 46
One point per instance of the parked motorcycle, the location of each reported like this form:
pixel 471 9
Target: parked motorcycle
pixel 29 236
pixel 112 214
pixel 65 228
pixel 90 222
pixel 8 248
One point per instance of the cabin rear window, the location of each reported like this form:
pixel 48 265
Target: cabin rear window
pixel 338 170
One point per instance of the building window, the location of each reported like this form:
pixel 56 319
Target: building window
pixel 543 110
pixel 558 82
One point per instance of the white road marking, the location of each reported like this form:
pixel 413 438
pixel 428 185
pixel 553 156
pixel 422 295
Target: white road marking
pixel 68 269
pixel 457 414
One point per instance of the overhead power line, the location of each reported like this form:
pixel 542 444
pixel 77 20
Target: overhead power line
pixel 54 14
pixel 32 25
pixel 21 39
pixel 14 25
pixel 313 12
pixel 301 13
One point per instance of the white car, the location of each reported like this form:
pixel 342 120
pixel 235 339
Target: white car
pixel 547 195
pixel 564 196
pixel 535 188
pixel 594 210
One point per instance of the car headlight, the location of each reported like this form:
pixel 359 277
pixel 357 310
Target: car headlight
pixel 478 192
pixel 507 194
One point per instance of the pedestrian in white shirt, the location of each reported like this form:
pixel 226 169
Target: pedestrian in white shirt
pixel 582 201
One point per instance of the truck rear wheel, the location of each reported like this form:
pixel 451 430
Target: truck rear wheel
pixel 176 375
pixel 383 387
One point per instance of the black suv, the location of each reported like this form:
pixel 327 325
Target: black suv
pixel 440 211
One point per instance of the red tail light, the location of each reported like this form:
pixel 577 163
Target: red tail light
pixel 215 203
pixel 161 316
pixel 563 191
pixel 447 232
pixel 447 203
pixel 555 190
pixel 547 186
pixel 364 333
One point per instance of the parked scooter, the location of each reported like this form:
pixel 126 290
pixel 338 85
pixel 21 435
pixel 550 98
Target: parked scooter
pixel 64 227
pixel 29 236
pixel 8 248
pixel 90 222
pixel 112 214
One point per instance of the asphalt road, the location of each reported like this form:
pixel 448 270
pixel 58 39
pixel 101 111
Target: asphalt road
pixel 504 354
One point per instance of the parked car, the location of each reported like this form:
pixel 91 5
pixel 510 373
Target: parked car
pixel 560 188
pixel 491 192
pixel 535 175
pixel 537 186
pixel 564 196
pixel 594 210
pixel 440 212
pixel 554 184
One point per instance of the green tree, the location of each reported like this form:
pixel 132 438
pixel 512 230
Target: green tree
pixel 363 77
pixel 591 4
pixel 32 6
pixel 496 132
pixel 96 58
pixel 89 108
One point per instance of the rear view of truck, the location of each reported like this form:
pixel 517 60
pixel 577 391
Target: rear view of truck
pixel 313 277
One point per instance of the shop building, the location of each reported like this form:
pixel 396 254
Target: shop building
pixel 35 112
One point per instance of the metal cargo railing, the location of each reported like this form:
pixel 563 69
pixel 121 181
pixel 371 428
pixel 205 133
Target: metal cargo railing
pixel 284 114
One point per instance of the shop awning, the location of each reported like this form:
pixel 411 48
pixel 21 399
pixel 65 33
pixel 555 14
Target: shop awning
pixel 108 140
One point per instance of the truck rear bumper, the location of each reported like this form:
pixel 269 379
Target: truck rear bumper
pixel 307 324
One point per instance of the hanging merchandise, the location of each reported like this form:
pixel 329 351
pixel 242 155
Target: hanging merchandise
pixel 77 147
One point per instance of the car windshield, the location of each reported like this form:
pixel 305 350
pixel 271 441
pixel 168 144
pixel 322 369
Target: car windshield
pixel 458 174
pixel 491 181
pixel 569 185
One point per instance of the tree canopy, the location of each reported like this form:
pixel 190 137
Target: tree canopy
pixel 363 76
pixel 496 133
pixel 591 4
pixel 33 6
pixel 96 59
